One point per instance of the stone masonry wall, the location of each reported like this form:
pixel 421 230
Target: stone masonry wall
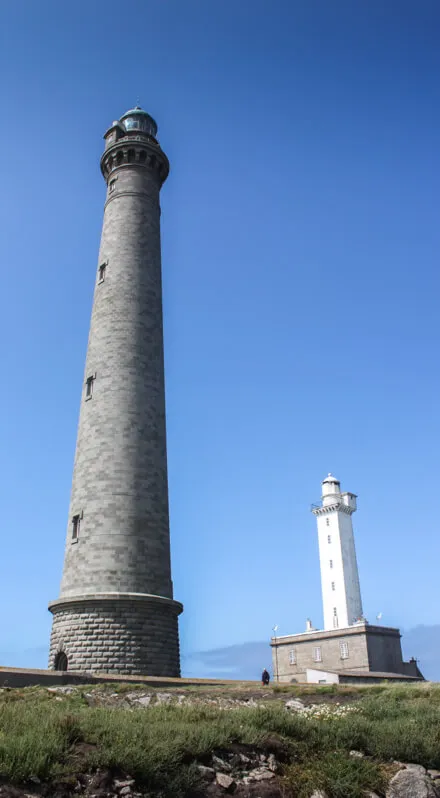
pixel 116 609
pixel 329 643
pixel 119 485
pixel 385 651
pixel 122 636
pixel 369 648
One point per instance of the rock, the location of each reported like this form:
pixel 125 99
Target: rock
pixel 220 764
pixel 357 754
pixel 100 781
pixel 272 763
pixel 295 704
pixel 416 768
pixel 180 700
pixel 34 779
pixel 410 783
pixel 319 794
pixel 125 790
pixel 205 772
pixel 435 774
pixel 163 698
pixel 225 781
pixel 144 700
pixel 258 774
pixel 126 783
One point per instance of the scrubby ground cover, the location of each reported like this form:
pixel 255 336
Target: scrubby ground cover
pixel 342 740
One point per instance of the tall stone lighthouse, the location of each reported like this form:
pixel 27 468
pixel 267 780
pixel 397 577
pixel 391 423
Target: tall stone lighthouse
pixel 116 611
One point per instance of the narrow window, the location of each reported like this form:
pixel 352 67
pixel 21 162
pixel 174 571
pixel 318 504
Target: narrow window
pixel 112 186
pixel 329 538
pixel 331 563
pixel 317 656
pixel 343 647
pixel 333 586
pixel 327 521
pixel 89 387
pixel 101 272
pixel 292 657
pixel 76 521
pixel 335 611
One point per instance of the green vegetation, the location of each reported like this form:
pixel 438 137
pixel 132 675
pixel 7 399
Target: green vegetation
pixel 55 736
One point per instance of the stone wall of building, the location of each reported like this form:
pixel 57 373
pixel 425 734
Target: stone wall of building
pixel 119 485
pixel 129 634
pixel 384 649
pixel 304 646
pixel 360 647
pixel 116 610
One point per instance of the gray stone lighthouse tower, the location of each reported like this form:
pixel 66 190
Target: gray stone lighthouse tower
pixel 116 610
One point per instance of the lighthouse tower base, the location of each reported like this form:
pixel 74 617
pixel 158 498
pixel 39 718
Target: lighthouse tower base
pixel 127 633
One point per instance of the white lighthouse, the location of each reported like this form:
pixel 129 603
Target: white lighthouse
pixel 341 595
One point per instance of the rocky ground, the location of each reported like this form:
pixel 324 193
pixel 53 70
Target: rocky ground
pixel 267 768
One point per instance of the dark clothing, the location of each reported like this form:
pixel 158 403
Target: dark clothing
pixel 265 678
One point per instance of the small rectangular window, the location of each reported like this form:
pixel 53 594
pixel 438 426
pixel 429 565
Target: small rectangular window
pixel 329 538
pixel 112 185
pixel 76 521
pixel 327 521
pixel 317 656
pixel 331 563
pixel 333 586
pixel 292 657
pixel 335 611
pixel 101 272
pixel 89 387
pixel 343 647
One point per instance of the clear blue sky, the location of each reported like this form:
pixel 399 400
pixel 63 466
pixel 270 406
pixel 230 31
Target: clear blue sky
pixel 301 291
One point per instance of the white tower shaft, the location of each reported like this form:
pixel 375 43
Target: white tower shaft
pixel 341 595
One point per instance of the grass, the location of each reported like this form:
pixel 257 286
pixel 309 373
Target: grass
pixel 55 737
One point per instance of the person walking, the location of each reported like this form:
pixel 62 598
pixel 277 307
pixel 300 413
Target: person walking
pixel 265 678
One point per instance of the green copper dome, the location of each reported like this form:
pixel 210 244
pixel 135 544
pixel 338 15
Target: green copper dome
pixel 138 119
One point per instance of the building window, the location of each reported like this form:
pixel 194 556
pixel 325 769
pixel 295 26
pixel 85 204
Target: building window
pixel 317 656
pixel 112 185
pixel 329 538
pixel 333 586
pixel 331 563
pixel 89 387
pixel 327 521
pixel 292 657
pixel 343 647
pixel 76 521
pixel 335 611
pixel 101 272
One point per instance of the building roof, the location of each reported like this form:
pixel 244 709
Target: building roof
pixel 330 479
pixel 137 111
pixel 368 674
